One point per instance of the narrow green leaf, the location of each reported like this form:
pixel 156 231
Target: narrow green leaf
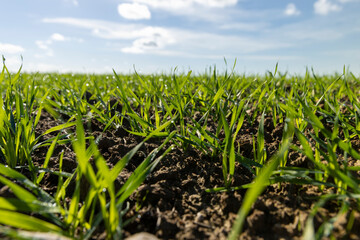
pixel 59 127
pixel 47 158
pixel 22 221
pixel 258 186
pixel 305 144
pixel 22 205
pixel 115 171
pixel 19 191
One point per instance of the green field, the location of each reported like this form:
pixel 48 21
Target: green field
pixel 182 155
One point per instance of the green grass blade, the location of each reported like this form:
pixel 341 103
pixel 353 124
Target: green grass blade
pixel 19 191
pixel 13 204
pixel 115 171
pixel 22 221
pixel 59 127
pixel 47 158
pixel 258 186
pixel 260 182
pixel 305 144
pixel 10 173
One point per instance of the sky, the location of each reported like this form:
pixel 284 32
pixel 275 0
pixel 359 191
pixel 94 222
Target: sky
pixel 158 36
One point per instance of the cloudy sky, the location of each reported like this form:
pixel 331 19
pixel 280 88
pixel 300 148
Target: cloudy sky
pixel 159 35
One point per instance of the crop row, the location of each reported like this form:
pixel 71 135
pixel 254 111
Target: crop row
pixel 318 117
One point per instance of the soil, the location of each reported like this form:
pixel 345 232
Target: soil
pixel 172 202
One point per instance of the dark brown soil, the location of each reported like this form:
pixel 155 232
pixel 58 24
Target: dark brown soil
pixel 172 202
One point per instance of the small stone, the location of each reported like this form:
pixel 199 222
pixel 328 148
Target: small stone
pixel 142 236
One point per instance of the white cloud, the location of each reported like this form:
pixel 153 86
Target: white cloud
pixel 216 3
pixel 7 48
pixel 169 5
pixel 171 41
pixel 145 38
pixel 208 10
pixel 204 43
pixel 134 11
pixel 57 37
pixel 100 28
pixel 44 45
pixel 323 7
pixel 185 4
pixel 151 42
pixel 187 43
pixel 74 2
pixel 291 10
pixel 147 44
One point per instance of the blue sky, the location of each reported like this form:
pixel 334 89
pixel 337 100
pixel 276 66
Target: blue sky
pixel 159 35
